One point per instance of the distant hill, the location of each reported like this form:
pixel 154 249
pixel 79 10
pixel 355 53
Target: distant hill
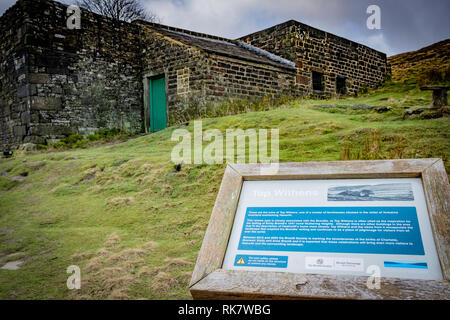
pixel 430 65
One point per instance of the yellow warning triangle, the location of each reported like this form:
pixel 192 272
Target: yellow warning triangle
pixel 241 261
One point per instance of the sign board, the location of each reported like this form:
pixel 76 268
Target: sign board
pixel 334 227
pixel 288 234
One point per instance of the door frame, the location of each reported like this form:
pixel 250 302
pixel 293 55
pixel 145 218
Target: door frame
pixel 344 78
pixel 147 104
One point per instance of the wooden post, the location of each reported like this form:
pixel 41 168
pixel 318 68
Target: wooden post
pixel 439 96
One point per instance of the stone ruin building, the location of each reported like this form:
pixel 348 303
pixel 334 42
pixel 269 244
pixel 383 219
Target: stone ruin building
pixel 143 77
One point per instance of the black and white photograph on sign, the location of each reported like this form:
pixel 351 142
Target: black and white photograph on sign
pixel 379 192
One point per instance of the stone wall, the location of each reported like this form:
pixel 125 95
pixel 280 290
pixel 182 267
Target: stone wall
pixel 322 52
pixel 14 114
pixel 198 81
pixel 235 78
pixel 67 81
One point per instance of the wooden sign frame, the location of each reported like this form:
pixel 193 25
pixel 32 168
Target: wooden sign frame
pixel 210 281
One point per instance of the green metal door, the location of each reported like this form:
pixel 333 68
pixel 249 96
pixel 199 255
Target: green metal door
pixel 158 116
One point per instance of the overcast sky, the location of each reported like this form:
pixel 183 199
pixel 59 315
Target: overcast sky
pixel 406 24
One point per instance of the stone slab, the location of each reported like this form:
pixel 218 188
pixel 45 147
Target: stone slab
pixel 12 265
pixel 44 103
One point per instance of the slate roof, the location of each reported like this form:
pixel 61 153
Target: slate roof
pixel 221 46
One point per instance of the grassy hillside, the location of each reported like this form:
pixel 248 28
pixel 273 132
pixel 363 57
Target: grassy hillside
pixel 134 224
pixel 430 65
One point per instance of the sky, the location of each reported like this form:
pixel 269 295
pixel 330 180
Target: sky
pixel 406 25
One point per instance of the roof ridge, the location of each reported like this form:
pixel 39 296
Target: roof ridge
pixel 266 54
pixel 190 32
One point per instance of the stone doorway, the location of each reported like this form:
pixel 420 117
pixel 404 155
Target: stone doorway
pixel 341 85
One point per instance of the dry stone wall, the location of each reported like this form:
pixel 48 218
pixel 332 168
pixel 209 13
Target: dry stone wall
pixel 317 51
pixel 57 82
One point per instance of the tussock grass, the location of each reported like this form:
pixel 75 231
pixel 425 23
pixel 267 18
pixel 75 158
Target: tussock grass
pixel 121 202
pixel 134 223
pixel 163 282
pixel 111 272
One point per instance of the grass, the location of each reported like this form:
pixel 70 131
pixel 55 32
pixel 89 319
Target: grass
pixel 134 223
pixel 80 141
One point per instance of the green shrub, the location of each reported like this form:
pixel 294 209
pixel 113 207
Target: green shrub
pixel 109 133
pixel 58 145
pixel 364 90
pixel 93 137
pixel 80 141
pixel 72 139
